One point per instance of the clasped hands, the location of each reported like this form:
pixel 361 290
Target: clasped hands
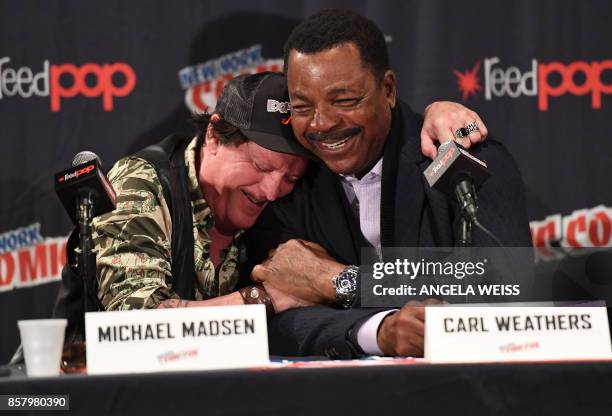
pixel 299 273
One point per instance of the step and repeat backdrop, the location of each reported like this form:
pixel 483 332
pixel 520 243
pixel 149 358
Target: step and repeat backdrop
pixel 114 76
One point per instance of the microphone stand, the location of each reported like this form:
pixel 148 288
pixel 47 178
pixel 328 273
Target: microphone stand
pixel 466 196
pixel 86 256
pixel 465 232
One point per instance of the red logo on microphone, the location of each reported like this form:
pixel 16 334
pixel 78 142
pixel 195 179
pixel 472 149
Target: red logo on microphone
pixel 83 171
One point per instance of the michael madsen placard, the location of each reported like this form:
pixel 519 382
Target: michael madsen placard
pixel 176 339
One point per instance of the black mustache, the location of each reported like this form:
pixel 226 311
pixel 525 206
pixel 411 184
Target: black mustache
pixel 334 135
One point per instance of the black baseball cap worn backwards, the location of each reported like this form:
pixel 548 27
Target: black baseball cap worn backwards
pixel 258 104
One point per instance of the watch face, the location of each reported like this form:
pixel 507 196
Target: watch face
pixel 346 286
pixel 346 283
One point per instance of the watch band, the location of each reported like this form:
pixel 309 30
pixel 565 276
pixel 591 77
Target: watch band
pixel 257 295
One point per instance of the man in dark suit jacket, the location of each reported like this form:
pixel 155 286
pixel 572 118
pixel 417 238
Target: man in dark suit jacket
pixel 344 110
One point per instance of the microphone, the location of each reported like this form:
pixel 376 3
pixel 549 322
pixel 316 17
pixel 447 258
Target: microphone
pixel 455 172
pixel 85 193
pixel 85 179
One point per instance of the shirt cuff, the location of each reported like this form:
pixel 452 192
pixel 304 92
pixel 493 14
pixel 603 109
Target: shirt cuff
pixel 367 335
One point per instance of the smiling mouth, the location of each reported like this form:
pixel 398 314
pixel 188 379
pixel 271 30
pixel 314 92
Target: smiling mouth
pixel 336 145
pixel 333 141
pixel 254 200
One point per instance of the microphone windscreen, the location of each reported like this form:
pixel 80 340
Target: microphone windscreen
pixel 85 156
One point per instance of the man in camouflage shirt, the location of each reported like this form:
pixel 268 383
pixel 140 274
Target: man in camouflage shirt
pixel 233 173
pixel 134 241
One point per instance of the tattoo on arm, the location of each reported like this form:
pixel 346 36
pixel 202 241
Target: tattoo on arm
pixel 173 303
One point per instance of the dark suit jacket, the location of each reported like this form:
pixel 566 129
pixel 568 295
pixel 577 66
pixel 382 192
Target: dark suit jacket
pixel 412 215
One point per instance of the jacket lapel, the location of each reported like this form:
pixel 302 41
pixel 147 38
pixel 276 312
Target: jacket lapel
pixel 334 219
pixel 403 197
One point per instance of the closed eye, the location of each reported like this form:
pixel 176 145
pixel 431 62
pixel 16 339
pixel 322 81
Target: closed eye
pixel 300 109
pixel 347 102
pixel 260 168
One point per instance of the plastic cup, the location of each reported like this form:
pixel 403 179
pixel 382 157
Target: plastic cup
pixel 42 341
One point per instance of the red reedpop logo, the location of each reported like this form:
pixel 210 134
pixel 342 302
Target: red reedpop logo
pixel 66 81
pixel 77 173
pixel 103 86
pixel 468 81
pixel 541 79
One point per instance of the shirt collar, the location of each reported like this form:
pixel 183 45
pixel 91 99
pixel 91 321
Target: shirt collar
pixel 374 175
pixel 190 162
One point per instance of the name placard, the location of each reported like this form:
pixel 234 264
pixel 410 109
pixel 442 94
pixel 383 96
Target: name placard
pixel 176 339
pixel 484 334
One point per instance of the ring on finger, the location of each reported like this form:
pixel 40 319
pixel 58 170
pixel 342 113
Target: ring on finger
pixel 472 127
pixel 461 133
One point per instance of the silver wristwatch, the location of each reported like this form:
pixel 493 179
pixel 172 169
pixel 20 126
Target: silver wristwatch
pixel 346 286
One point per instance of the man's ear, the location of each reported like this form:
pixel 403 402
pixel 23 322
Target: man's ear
pixel 211 140
pixel 389 85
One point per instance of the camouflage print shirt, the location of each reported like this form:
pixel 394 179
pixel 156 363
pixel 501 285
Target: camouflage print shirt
pixel 133 242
